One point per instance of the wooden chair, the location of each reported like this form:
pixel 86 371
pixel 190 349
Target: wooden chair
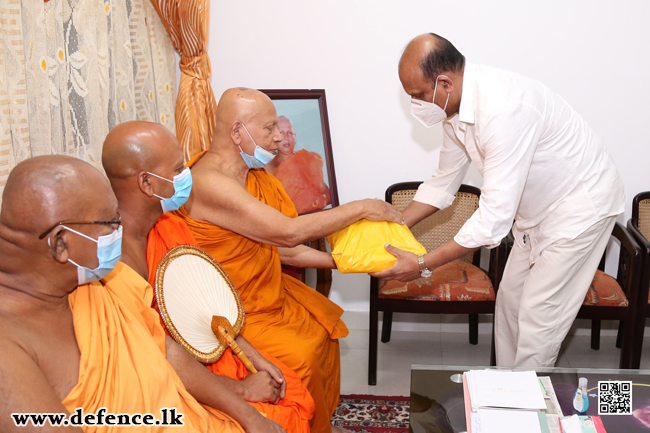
pixel 639 228
pixel 447 290
pixel 616 299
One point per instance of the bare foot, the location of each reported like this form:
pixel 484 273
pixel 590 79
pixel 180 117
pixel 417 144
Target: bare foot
pixel 337 429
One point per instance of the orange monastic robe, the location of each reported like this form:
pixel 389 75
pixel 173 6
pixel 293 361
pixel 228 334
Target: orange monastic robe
pixel 302 178
pixel 284 317
pixel 123 366
pixel 295 410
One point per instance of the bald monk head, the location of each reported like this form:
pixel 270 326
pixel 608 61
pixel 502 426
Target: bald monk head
pixel 36 252
pixel 430 63
pixel 141 160
pixel 246 128
pixel 136 155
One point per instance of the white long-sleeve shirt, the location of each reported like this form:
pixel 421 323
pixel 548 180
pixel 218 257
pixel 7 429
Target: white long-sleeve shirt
pixel 541 163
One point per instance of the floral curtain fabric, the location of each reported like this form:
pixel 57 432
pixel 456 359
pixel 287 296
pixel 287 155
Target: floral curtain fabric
pixel 187 22
pixel 70 70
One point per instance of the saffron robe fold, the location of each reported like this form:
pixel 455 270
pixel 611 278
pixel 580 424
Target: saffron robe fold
pixel 123 366
pixel 302 178
pixel 295 410
pixel 284 317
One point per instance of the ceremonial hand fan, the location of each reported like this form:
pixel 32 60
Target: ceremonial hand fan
pixel 191 289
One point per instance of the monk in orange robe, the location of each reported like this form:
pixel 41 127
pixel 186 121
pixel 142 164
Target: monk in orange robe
pixel 247 222
pixel 144 161
pixel 301 172
pixel 71 343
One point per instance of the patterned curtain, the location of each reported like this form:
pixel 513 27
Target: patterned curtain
pixel 70 70
pixel 187 22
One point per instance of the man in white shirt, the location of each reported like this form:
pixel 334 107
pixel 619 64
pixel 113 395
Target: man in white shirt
pixel 542 166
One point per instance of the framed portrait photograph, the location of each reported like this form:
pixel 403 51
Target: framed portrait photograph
pixel 304 163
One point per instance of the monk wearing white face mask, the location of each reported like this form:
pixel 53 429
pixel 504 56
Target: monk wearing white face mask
pixel 542 166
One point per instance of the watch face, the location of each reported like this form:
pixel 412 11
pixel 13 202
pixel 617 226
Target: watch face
pixel 426 273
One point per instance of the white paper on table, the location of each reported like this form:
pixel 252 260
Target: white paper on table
pixel 476 423
pixel 508 389
pixel 553 408
pixel 572 424
pixel 508 421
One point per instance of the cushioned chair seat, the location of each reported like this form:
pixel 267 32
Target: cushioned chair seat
pixel 455 281
pixel 604 291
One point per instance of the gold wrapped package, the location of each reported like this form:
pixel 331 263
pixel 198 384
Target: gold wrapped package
pixel 360 246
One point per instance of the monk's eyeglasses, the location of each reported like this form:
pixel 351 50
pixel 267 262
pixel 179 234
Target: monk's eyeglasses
pixel 118 221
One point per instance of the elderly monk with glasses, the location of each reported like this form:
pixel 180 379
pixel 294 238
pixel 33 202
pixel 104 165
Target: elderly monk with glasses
pixel 77 331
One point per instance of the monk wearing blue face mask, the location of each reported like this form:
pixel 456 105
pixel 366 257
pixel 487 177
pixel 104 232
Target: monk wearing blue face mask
pixel 140 158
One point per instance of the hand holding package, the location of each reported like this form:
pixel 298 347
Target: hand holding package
pixel 360 246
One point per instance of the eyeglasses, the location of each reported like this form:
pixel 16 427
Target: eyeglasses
pixel 46 232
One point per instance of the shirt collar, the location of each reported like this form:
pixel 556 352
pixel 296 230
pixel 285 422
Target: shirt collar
pixel 466 111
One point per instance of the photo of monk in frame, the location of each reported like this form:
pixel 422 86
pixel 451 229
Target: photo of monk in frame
pixel 304 163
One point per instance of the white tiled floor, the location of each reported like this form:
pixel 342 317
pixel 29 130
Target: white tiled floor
pixel 406 348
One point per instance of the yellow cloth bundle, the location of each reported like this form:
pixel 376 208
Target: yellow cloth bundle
pixel 360 246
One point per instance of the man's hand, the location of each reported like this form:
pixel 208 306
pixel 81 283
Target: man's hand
pixel 263 364
pixel 405 269
pixel 261 387
pixel 379 210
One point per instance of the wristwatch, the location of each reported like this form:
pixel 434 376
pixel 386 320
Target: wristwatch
pixel 424 271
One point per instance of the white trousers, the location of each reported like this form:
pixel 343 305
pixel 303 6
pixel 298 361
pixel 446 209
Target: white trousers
pixel 536 306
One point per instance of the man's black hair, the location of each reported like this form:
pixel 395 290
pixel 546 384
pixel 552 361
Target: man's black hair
pixel 444 58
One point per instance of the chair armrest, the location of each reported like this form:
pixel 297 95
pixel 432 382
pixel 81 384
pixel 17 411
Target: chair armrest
pixel 644 279
pixel 638 237
pixel 629 263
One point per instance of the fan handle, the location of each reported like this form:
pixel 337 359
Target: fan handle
pixel 223 330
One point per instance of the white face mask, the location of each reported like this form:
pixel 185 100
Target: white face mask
pixel 260 158
pixel 429 113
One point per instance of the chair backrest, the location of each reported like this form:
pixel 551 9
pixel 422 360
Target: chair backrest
pixel 643 220
pixel 640 225
pixel 439 228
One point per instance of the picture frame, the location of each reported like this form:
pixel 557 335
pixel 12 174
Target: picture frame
pixel 304 124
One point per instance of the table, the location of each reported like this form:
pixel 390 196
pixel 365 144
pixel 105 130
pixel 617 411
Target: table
pixel 437 400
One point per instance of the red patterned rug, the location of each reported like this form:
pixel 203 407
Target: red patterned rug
pixel 373 413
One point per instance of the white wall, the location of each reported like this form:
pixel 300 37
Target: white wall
pixel 595 54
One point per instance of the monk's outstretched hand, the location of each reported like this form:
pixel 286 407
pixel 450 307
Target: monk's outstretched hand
pixel 379 210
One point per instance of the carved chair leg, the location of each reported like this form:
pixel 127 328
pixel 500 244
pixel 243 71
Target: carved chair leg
pixel 493 352
pixel 473 329
pixel 595 334
pixel 386 326
pixel 619 334
pixel 372 345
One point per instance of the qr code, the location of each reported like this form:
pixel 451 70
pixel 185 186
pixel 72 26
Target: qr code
pixel 614 397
